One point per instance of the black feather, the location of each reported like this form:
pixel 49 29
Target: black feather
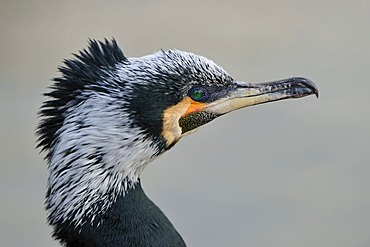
pixel 85 70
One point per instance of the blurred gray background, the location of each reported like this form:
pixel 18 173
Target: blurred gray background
pixel 291 173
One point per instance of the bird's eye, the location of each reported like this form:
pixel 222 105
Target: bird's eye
pixel 198 94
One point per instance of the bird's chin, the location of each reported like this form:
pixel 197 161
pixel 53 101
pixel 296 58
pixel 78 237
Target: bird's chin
pixel 193 121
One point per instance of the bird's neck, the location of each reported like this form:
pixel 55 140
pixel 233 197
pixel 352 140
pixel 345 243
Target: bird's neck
pixel 96 157
pixel 132 220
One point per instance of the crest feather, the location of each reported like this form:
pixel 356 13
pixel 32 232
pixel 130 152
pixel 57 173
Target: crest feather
pixel 83 71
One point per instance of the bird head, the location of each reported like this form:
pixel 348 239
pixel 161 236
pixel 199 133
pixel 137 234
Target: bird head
pixel 108 115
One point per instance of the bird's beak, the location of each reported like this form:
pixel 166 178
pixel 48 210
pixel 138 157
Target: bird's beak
pixel 188 115
pixel 248 94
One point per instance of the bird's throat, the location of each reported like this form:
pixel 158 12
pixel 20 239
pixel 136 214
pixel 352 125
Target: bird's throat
pixel 132 220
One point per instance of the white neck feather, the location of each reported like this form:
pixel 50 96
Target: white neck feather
pixel 96 153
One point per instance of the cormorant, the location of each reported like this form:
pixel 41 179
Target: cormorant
pixel 108 116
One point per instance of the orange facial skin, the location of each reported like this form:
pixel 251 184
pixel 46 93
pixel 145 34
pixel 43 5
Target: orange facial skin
pixel 193 107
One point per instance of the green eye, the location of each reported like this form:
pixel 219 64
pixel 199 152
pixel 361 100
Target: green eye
pixel 198 94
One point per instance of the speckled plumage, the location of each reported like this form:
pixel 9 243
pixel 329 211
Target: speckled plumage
pixel 97 139
pixel 108 116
